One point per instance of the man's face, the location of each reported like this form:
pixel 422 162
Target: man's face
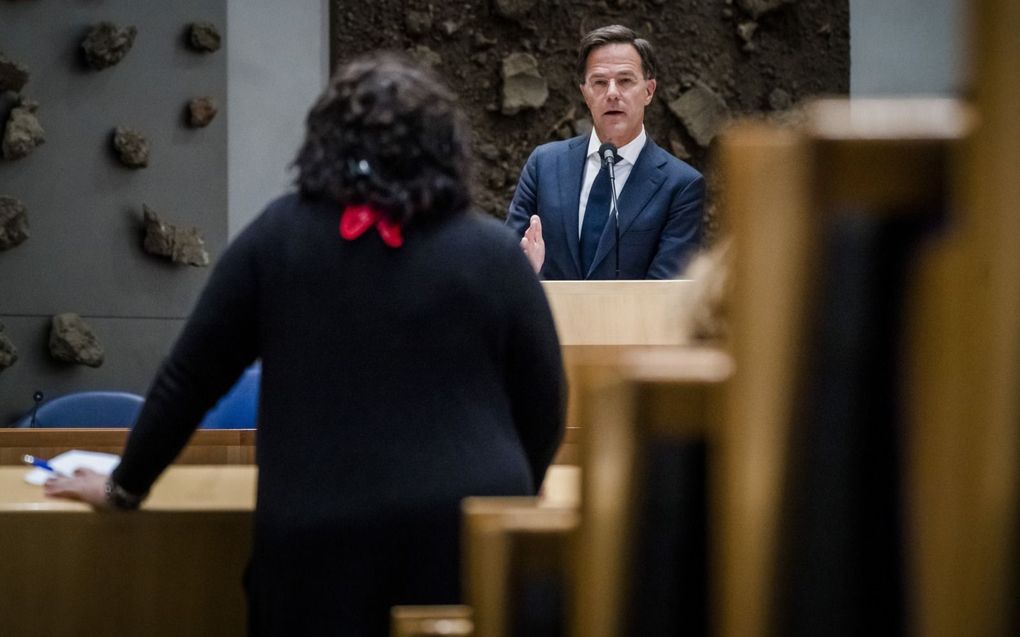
pixel 616 92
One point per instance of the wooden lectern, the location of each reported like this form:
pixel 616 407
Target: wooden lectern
pixel 611 314
pixel 599 321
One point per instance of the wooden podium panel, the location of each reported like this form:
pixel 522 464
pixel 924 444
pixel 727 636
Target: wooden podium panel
pixel 600 321
pixel 173 568
pixel 207 446
pixel 618 312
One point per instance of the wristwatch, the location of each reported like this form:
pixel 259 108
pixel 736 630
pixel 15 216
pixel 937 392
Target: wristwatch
pixel 121 499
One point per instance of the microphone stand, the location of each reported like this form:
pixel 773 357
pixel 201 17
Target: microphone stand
pixel 615 211
pixel 36 398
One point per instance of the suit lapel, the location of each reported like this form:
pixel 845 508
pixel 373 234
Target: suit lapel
pixel 645 179
pixel 570 169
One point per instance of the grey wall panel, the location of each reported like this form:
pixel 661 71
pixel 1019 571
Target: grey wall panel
pixel 84 254
pixel 134 350
pixel 907 47
pixel 282 46
pixel 84 208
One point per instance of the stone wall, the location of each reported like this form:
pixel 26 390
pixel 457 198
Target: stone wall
pixel 84 208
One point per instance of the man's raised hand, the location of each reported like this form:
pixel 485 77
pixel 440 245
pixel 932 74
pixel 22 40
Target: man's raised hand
pixel 533 244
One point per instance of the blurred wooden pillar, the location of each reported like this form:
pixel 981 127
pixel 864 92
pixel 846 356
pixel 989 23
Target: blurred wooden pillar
pixel 640 404
pixel 767 204
pixel 431 621
pixel 784 184
pixel 517 557
pixel 968 361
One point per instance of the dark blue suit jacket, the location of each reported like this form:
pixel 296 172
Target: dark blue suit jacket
pixel 661 210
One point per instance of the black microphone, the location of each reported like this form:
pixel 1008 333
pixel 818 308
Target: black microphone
pixel 607 152
pixel 37 398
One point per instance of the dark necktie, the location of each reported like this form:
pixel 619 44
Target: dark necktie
pixel 596 211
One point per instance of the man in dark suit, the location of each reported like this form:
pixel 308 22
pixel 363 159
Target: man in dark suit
pixel 563 198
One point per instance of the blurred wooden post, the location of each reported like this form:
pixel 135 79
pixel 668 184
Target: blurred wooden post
pixel 866 156
pixel 768 210
pixel 431 621
pixel 967 361
pixel 645 396
pixel 516 553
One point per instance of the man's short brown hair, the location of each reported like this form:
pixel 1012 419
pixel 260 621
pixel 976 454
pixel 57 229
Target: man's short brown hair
pixel 612 34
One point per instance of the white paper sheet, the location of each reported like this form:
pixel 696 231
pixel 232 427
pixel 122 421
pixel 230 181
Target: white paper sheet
pixel 68 461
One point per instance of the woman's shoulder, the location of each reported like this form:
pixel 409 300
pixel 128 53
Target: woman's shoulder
pixel 480 230
pixel 492 249
pixel 285 213
pixel 294 203
pixel 280 219
pixel 483 226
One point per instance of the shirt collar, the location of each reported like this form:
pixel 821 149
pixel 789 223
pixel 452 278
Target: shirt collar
pixel 629 151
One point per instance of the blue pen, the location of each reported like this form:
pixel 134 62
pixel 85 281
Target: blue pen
pixel 42 464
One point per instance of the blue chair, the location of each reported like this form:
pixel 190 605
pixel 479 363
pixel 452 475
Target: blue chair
pixel 87 409
pixel 238 409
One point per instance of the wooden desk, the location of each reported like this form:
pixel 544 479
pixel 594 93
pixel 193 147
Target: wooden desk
pixel 194 488
pixel 207 446
pixel 173 568
pixel 221 488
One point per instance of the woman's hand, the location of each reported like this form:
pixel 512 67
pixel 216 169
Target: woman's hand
pixel 84 486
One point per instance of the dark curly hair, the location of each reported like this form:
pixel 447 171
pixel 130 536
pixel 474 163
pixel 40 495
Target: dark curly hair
pixel 388 133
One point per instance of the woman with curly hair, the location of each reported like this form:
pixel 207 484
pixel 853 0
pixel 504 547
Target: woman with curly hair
pixel 409 359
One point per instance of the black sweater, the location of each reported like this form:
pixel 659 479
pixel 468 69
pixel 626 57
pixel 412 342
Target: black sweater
pixel 389 376
pixel 395 382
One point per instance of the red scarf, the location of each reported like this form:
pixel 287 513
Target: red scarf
pixel 356 220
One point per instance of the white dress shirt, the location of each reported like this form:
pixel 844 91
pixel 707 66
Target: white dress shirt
pixel 628 156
